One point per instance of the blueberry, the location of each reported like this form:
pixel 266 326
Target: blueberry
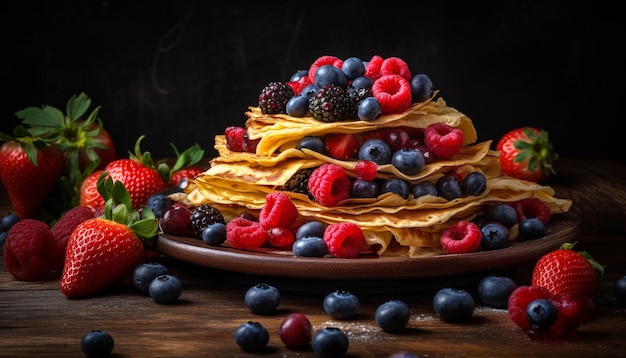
pixel 330 75
pixel 424 188
pixel 541 313
pixel 97 343
pixel 309 91
pixel 313 143
pixel 262 298
pixel 353 67
pixel 403 354
pixel 448 187
pixel 495 236
pixel 362 188
pixel 453 305
pixel 397 186
pixel 144 273
pixel 392 316
pixel 7 221
pixel 369 109
pixel 298 106
pixel 502 213
pixel 311 228
pixel 375 150
pixel 214 234
pixel 3 239
pixel 310 246
pixel 474 183
pixel 165 289
pixel 341 304
pixel 531 228
pixel 421 88
pixel 330 342
pixel 620 290
pixel 362 82
pixel 298 75
pixel 494 291
pixel 158 203
pixel 408 161
pixel 252 336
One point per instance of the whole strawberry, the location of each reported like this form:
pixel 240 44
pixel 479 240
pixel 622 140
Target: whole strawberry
pixel 105 250
pixel 526 153
pixel 29 170
pixel 565 271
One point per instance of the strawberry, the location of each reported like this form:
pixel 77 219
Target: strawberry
pixel 29 170
pixel 185 166
pixel 186 173
pixel 104 250
pixel 89 195
pixel 342 146
pixel 567 271
pixel 527 154
pixel 63 228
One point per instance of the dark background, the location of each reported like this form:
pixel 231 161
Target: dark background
pixel 181 71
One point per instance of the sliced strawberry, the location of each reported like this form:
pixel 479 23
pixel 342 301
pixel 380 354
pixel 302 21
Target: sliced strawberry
pixel 342 146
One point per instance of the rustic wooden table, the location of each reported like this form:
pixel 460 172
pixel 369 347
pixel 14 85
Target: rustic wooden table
pixel 36 320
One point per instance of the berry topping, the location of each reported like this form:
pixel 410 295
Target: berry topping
pixel 203 216
pixel 443 141
pixel 321 61
pixel 242 233
pixel 278 211
pixel 532 208
pixel 274 97
pixel 461 237
pixel 366 169
pixel 280 237
pixel 421 88
pixel 393 92
pixel 344 239
pixel 329 184
pixel 396 66
pixel 372 69
pixel 234 137
pixel 330 104
pixel 342 146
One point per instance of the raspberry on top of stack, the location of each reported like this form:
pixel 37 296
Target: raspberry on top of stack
pixel 365 142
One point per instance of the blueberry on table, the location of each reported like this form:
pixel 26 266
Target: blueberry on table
pixel 252 336
pixel 330 342
pixel 541 313
pixel 165 289
pixel 262 298
pixel 341 304
pixel 494 291
pixel 620 290
pixel 392 316
pixel 453 305
pixel 97 344
pixel 144 273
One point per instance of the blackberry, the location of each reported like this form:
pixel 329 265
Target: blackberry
pixel 203 216
pixel 329 104
pixel 274 97
pixel 355 96
pixel 299 182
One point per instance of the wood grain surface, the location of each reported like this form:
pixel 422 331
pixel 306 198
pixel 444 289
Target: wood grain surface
pixel 36 320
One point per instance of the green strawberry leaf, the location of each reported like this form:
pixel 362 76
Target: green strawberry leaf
pixel 77 106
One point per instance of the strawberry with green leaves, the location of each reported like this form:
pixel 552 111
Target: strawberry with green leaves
pixel 29 170
pixel 526 153
pixel 567 271
pixel 105 250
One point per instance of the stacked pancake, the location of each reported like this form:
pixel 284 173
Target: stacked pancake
pixel 238 182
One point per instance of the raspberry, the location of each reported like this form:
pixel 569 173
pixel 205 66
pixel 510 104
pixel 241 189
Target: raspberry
pixel 278 211
pixel 63 228
pixel 532 208
pixel 443 141
pixel 344 240
pixel 520 298
pixel 25 250
pixel 462 237
pixel 329 184
pixel 366 169
pixel 396 66
pixel 242 233
pixel 393 93
pixel 280 237
pixel 372 70
pixel 321 61
pixel 234 137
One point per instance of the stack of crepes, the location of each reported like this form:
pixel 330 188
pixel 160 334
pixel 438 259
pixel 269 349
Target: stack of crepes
pixel 238 182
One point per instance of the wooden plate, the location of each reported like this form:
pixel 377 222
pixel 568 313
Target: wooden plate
pixel 562 228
